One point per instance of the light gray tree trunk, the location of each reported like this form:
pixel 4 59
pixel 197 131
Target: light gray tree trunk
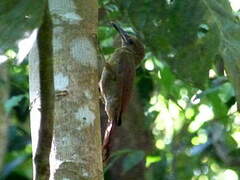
pixel 76 148
pixel 3 116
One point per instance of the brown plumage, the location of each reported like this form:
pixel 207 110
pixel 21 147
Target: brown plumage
pixel 117 82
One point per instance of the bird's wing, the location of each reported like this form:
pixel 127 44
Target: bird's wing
pixel 116 86
pixel 125 75
pixel 110 92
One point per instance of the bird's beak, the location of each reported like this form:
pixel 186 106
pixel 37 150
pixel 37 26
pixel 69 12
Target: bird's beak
pixel 122 33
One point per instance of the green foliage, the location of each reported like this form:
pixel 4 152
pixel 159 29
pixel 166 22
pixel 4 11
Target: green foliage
pixel 18 20
pixel 228 28
pixel 18 163
pixel 13 165
pixel 19 88
pixel 132 159
pixel 172 33
pixel 18 139
pixel 12 102
pixel 189 102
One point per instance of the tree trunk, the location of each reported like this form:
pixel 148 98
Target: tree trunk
pixel 42 99
pixel 132 134
pixel 3 116
pixel 76 145
pixel 76 148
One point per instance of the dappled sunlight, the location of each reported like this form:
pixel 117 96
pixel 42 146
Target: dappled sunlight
pixel 10 54
pixel 205 114
pixel 215 167
pixel 233 109
pixel 195 99
pixel 200 139
pixel 235 4
pixel 236 137
pixel 189 113
pixel 160 144
pixel 212 73
pixel 237 118
pixel 203 177
pixel 149 65
pixel 164 121
pixel 173 114
pixel 236 128
pixel 26 44
pixel 3 59
pixel 227 174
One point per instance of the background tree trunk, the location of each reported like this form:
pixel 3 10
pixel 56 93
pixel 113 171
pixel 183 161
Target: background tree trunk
pixel 3 116
pixel 76 148
pixel 132 134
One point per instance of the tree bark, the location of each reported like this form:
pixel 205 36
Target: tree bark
pixel 3 115
pixel 76 147
pixel 42 99
pixel 132 134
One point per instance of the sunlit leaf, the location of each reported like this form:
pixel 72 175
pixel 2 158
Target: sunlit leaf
pixel 152 159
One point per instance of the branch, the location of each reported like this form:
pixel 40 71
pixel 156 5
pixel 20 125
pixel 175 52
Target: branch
pixel 41 157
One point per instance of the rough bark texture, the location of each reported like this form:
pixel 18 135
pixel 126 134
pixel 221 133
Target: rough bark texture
pixel 132 134
pixel 42 99
pixel 76 148
pixel 3 115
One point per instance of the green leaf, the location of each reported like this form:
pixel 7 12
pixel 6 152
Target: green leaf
pixel 12 102
pixel 132 159
pixel 18 20
pixel 152 159
pixel 229 30
pixel 230 142
pixel 11 166
pixel 115 156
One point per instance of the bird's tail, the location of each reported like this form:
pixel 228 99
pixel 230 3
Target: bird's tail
pixel 107 139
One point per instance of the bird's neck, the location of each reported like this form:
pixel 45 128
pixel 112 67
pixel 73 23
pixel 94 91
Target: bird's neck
pixel 132 52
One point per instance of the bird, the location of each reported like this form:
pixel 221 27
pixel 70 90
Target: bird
pixel 116 82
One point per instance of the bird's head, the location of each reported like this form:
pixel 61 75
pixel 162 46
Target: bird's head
pixel 132 43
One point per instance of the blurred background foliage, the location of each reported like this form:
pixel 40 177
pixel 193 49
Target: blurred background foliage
pixel 188 84
pixel 18 163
